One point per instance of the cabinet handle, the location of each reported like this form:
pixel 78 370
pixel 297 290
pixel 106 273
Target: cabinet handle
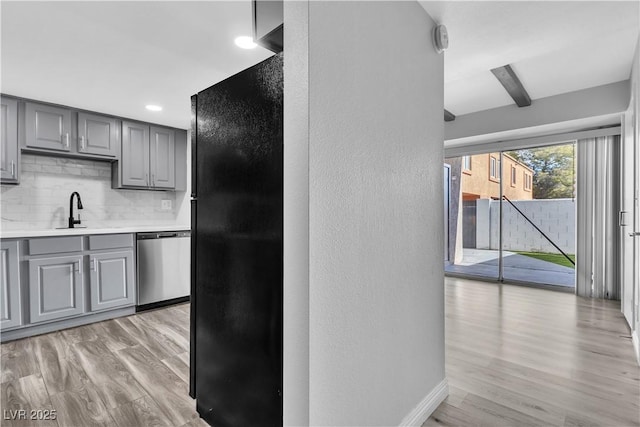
pixel 82 146
pixel 146 179
pixel 66 140
pixel 76 267
pixel 13 169
pixel 153 180
pixel 621 218
pixel 94 265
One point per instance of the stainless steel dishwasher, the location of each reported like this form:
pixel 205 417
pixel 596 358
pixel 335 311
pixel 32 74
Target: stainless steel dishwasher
pixel 163 268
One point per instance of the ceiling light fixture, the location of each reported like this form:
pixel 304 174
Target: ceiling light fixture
pixel 151 107
pixel 245 42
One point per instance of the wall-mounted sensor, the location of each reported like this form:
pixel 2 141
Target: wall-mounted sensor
pixel 440 38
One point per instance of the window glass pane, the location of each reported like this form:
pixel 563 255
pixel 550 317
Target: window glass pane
pixel 538 217
pixel 466 162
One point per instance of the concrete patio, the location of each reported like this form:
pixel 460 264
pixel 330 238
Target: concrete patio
pixel 484 262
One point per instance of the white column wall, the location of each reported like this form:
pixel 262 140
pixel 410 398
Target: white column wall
pixel 375 324
pixel 296 215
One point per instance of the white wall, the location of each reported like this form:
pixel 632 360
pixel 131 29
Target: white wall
pixel 375 289
pixel 631 185
pixel 296 214
pixel 635 79
pixel 41 201
pixel 566 112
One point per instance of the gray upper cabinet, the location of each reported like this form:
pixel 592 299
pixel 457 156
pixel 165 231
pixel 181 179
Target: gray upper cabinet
pixel 143 156
pixel 147 159
pixel 97 135
pixel 55 288
pixel 162 158
pixel 47 127
pixel 135 155
pixel 112 279
pixel 10 286
pixel 9 141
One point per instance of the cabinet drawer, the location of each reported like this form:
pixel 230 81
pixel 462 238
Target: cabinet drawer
pixel 110 241
pixel 53 245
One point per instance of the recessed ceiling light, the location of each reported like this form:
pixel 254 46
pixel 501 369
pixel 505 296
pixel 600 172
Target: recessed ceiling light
pixel 151 107
pixel 245 42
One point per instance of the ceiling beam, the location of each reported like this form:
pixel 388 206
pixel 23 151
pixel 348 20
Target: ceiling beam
pixel 448 116
pixel 507 77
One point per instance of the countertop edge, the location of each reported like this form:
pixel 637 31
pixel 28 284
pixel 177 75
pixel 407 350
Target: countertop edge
pixel 18 234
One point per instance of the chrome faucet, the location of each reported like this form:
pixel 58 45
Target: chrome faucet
pixel 73 221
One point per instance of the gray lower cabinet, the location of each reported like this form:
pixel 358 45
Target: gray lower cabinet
pixel 162 157
pixel 134 160
pixel 10 315
pixel 55 288
pixel 112 279
pixel 9 141
pixel 47 127
pixel 49 283
pixel 98 135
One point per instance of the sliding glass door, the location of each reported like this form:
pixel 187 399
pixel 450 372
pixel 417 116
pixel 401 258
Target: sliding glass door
pixel 539 215
pixel 512 216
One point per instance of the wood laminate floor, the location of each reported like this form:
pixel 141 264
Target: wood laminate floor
pixel 128 372
pixel 518 356
pixel 515 356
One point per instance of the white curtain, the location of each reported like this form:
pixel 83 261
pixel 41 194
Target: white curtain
pixel 598 206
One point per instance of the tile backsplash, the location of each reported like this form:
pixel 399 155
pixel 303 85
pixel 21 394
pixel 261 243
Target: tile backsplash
pixel 41 200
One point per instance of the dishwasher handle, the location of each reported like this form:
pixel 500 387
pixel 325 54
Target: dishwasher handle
pixel 164 235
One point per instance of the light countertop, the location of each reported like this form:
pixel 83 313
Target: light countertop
pixel 16 234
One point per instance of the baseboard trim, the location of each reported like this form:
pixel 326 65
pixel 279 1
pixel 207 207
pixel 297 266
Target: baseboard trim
pixel 427 406
pixel 160 304
pixel 636 344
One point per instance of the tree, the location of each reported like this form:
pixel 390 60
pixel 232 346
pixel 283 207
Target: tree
pixel 553 170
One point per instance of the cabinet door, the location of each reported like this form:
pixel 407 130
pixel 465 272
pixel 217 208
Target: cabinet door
pixel 134 160
pixel 97 135
pixel 162 158
pixel 10 283
pixel 112 280
pixel 9 141
pixel 55 288
pixel 47 127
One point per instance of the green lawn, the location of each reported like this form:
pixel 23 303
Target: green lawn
pixel 554 258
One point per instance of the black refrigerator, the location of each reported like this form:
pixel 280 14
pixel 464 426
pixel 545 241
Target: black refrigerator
pixel 236 225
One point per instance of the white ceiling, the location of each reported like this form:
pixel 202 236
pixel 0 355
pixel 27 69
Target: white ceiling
pixel 554 47
pixel 115 57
